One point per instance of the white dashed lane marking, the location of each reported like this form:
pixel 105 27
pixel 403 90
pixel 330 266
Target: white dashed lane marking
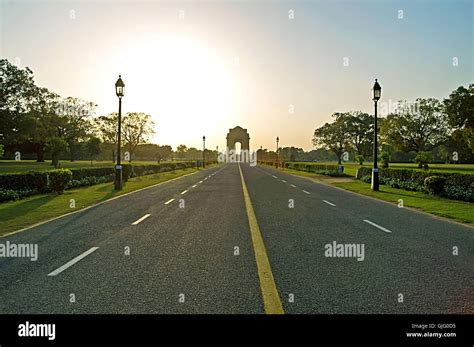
pixel 329 203
pixel 377 226
pixel 72 262
pixel 141 219
pixel 170 200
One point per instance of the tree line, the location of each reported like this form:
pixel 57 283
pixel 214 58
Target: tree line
pixel 35 121
pixel 423 131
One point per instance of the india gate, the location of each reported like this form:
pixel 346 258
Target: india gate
pixel 238 134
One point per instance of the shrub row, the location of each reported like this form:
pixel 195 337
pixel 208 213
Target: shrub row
pixel 33 180
pixel 19 185
pixel 9 195
pixel 328 170
pixel 450 185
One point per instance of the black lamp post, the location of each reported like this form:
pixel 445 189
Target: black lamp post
pixel 377 91
pixel 119 90
pixel 203 152
pixel 278 153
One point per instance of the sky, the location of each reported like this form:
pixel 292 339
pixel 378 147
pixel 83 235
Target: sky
pixel 276 68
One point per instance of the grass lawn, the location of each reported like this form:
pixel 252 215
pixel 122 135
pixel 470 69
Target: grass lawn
pixel 11 166
pixel 351 168
pixel 22 213
pixel 458 210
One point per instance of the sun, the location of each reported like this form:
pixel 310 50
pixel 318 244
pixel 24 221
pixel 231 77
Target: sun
pixel 186 85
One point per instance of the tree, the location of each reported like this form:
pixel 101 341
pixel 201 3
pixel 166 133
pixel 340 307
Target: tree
pixel 163 152
pixel 137 128
pixel 459 107
pixel 106 128
pixel 459 110
pixel 17 88
pixel 93 148
pixel 181 151
pixel 75 113
pixel 333 136
pixel 1 151
pixel 416 129
pixel 56 146
pixel 291 154
pixel 360 129
pixel 42 121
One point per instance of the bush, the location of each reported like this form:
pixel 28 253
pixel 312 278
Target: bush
pixel 456 186
pixel 366 179
pixel 423 159
pixel 384 159
pixel 434 184
pixel 360 159
pixel 8 195
pixel 59 179
pixel 89 181
pixel 127 171
pixel 458 193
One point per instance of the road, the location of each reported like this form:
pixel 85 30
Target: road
pixel 147 253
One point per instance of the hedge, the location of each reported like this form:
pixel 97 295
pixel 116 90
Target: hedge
pixel 33 180
pixel 19 185
pixel 450 185
pixel 328 170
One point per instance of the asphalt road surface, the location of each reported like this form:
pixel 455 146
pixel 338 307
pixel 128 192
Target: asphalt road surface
pixel 241 239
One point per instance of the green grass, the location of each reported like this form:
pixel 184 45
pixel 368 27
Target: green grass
pixel 458 210
pixel 20 214
pixel 12 166
pixel 351 168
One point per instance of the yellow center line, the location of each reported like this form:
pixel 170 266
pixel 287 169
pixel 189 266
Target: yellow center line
pixel 271 298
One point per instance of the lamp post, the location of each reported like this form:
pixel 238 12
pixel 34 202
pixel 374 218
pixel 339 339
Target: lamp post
pixel 278 153
pixel 119 90
pixel 203 152
pixel 377 91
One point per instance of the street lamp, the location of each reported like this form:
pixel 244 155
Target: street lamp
pixel 119 90
pixel 377 91
pixel 278 154
pixel 203 152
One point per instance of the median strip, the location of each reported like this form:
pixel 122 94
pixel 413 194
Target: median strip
pixel 72 262
pixel 141 219
pixel 271 299
pixel 377 226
